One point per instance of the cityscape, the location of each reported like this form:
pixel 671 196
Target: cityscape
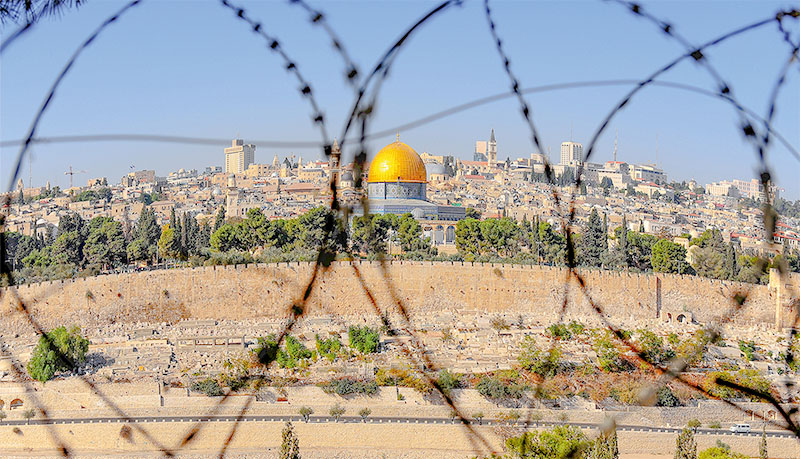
pixel 388 296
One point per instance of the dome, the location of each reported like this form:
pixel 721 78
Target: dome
pixel 397 162
pixel 435 169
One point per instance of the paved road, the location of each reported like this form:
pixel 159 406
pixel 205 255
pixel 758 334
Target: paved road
pixel 371 420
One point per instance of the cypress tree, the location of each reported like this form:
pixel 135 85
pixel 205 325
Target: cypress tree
pixel 592 242
pixel 686 446
pixel 290 447
pixel 762 448
pixel 185 228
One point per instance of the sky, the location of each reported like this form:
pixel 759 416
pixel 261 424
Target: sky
pixel 191 68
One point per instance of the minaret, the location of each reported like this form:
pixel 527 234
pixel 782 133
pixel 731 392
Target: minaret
pixel 276 163
pixel 333 161
pixel 232 198
pixel 492 150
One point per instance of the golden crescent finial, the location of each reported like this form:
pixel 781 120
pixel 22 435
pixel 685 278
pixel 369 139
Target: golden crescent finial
pixel 398 136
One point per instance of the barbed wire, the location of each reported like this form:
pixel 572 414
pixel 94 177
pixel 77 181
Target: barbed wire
pixel 52 92
pixel 362 112
pixel 423 121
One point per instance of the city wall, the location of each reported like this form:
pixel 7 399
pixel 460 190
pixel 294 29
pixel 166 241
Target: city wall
pixel 267 291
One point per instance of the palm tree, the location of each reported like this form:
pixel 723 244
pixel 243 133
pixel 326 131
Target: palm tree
pixel 32 10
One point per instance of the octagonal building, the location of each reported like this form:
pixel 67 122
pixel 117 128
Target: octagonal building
pixel 397 183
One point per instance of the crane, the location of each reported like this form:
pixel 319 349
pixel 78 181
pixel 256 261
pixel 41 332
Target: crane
pixel 71 173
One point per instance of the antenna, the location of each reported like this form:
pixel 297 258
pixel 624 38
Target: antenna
pixel 616 141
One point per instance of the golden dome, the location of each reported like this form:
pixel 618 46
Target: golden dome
pixel 397 162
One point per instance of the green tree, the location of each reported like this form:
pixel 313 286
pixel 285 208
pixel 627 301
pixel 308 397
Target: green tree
pixel 364 413
pixel 57 350
pixel 169 243
pixel 593 243
pixel 144 240
pixel 685 445
pixel 336 412
pixel 28 415
pixel 105 244
pixel 473 213
pixel 668 257
pixel 554 245
pixel 320 229
pixel 639 250
pixel 306 413
pixel 709 256
pixel 68 248
pixel 468 237
pixel 409 235
pixel 762 447
pixel 290 447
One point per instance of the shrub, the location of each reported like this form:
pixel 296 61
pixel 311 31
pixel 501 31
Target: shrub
pixel 665 397
pixel 208 386
pixel 363 339
pixel 721 451
pixel 559 332
pixel 608 356
pixel 266 350
pixel 748 348
pixel 293 353
pixel 652 347
pixel 402 377
pixel 693 423
pixel 576 328
pixel 544 364
pixel 364 413
pixel 499 323
pixel 57 350
pixel 714 425
pixel 496 389
pixel 328 348
pixel 349 386
pixel 448 381
pixel 558 443
pixel 751 379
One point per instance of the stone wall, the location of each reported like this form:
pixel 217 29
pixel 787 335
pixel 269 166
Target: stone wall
pixel 268 290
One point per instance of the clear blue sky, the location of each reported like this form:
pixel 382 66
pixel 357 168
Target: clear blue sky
pixel 190 68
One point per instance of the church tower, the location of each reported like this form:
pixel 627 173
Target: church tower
pixel 492 149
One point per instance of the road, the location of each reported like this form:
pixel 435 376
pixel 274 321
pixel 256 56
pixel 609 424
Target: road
pixel 373 420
